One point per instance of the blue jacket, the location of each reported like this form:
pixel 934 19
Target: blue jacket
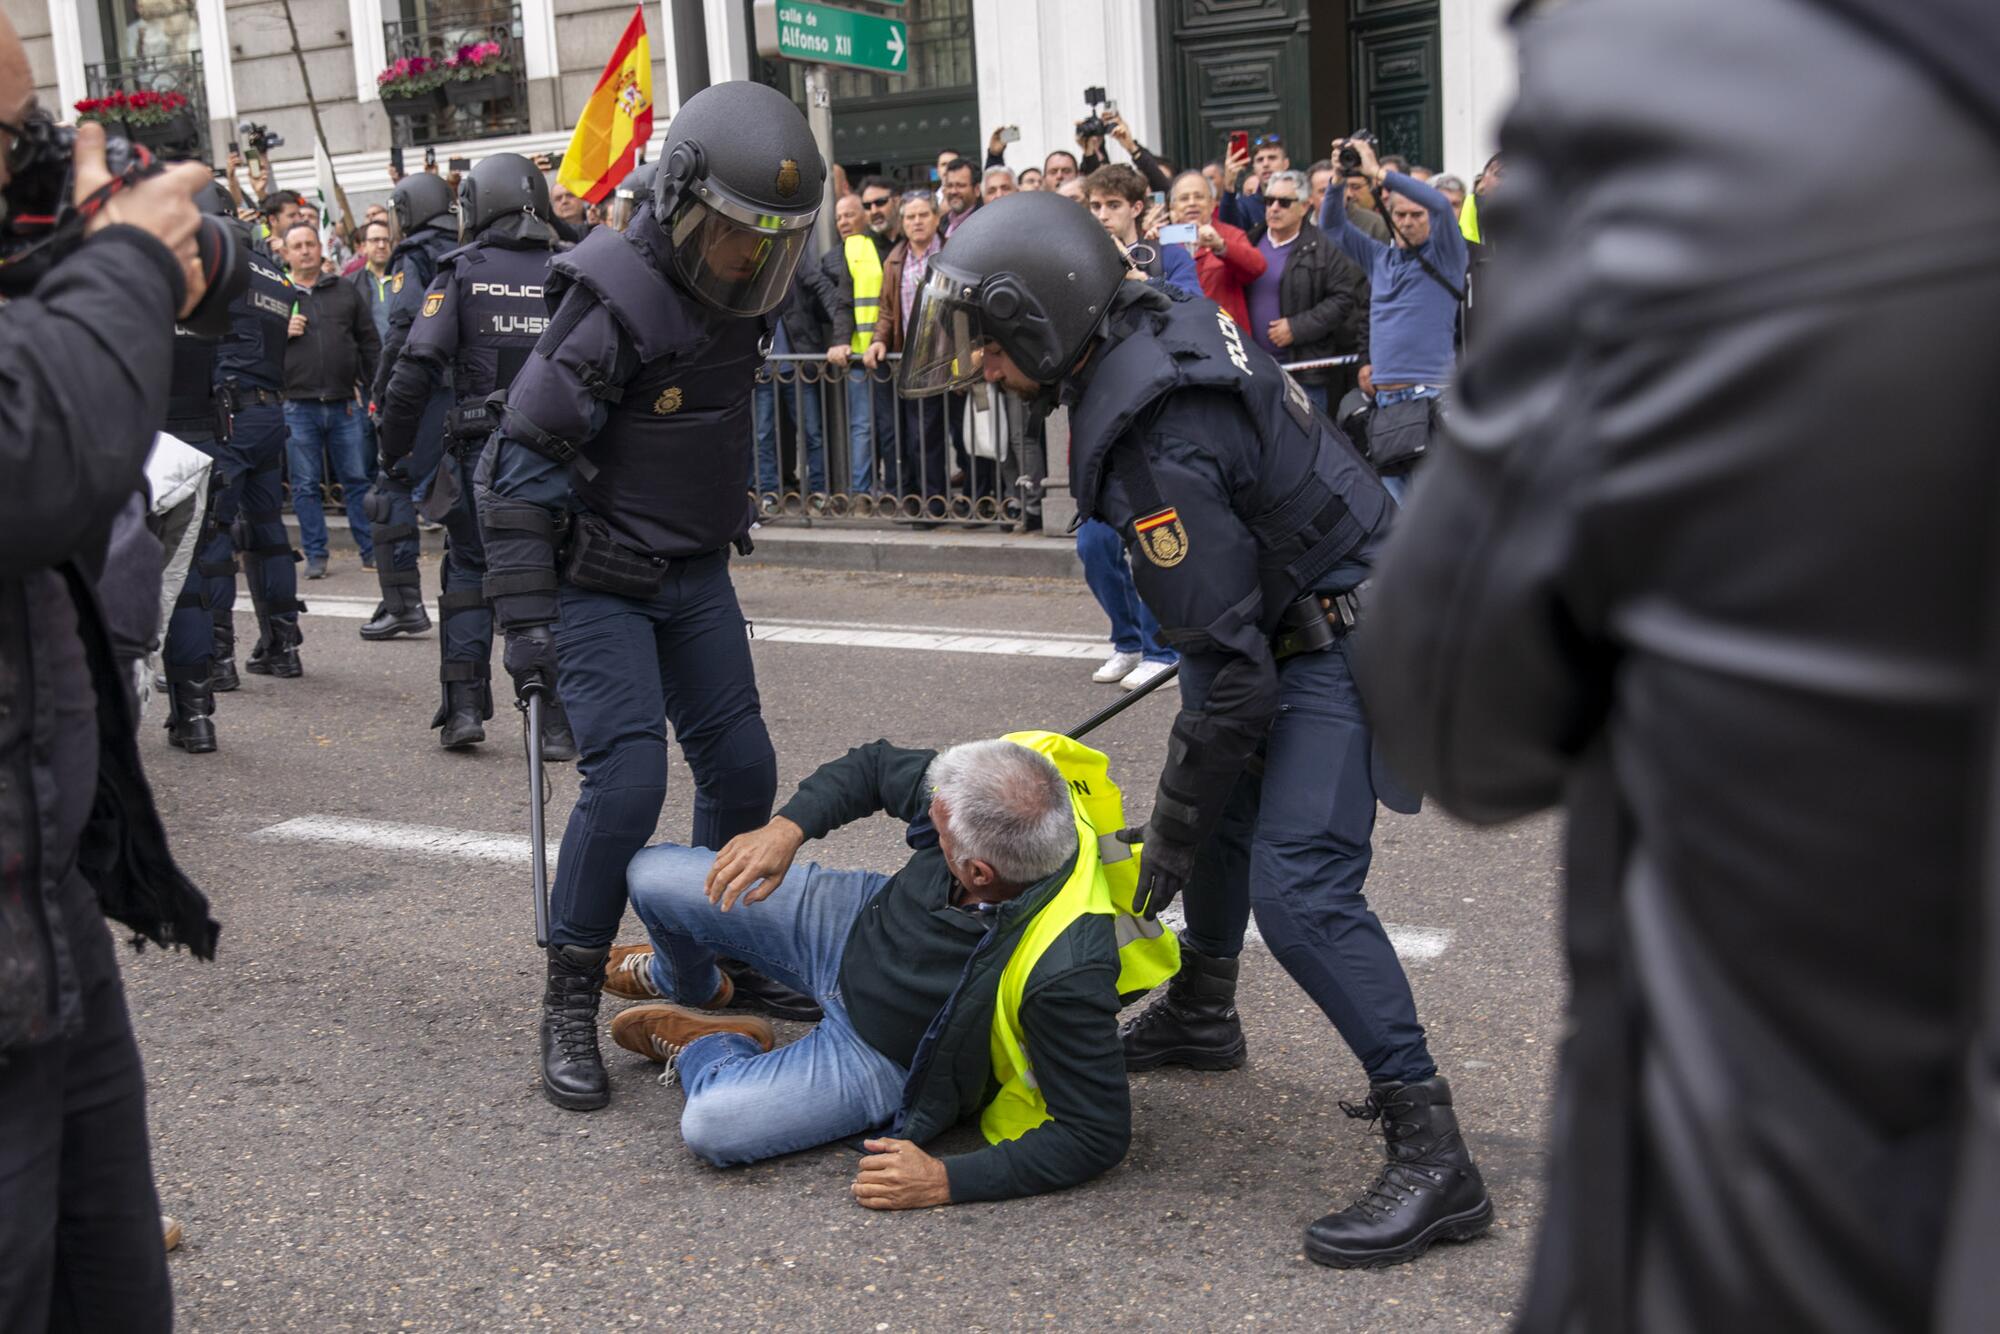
pixel 1411 318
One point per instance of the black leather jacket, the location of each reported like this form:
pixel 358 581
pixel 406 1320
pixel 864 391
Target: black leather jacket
pixel 1711 561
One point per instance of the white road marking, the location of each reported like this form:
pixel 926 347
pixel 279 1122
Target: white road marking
pixel 849 634
pixel 1413 944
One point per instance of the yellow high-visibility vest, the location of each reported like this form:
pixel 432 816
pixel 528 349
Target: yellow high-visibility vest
pixel 1103 881
pixel 864 261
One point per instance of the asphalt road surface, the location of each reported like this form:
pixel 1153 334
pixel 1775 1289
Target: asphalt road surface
pixel 345 1108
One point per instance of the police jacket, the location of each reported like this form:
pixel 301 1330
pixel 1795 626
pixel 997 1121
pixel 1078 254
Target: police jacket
pixel 480 318
pixel 191 411
pixel 634 407
pixel 1233 495
pixel 336 354
pixel 411 268
pixel 253 352
pixel 77 415
pixel 1664 571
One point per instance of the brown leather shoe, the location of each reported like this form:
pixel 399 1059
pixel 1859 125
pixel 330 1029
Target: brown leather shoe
pixel 659 1032
pixel 628 975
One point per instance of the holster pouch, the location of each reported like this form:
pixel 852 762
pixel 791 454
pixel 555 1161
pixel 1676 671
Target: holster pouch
pixel 599 562
pixel 1305 626
pixel 473 419
pixel 1401 433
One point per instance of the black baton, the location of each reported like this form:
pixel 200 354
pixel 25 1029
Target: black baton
pixel 1112 710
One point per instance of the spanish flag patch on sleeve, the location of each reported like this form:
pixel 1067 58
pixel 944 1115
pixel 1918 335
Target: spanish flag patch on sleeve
pixel 1162 539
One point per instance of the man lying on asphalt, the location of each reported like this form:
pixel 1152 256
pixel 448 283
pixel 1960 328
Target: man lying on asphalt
pixel 998 936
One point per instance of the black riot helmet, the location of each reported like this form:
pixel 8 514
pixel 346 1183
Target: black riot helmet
pixel 423 200
pixel 739 185
pixel 634 190
pixel 497 186
pixel 1032 272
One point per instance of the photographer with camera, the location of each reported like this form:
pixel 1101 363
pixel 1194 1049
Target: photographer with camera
pixel 1415 285
pixel 1105 120
pixel 126 251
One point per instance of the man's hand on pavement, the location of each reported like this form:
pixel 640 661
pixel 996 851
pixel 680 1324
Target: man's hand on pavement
pixel 750 866
pixel 897 1174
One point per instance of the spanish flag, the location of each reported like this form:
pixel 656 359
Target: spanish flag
pixel 617 120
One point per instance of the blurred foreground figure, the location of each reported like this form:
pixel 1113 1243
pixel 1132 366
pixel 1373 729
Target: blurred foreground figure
pixel 1711 561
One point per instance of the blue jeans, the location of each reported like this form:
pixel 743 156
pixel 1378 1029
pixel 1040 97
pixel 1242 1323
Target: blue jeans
pixel 803 400
pixel 860 432
pixel 332 431
pixel 1295 846
pixel 1134 629
pixel 626 668
pixel 743 1103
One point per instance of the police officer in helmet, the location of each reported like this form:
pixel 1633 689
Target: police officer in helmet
pixel 1251 523
pixel 610 498
pixel 480 318
pixel 427 220
pixel 201 613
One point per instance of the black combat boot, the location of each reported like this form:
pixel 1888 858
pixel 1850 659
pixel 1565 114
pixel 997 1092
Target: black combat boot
pixel 572 1070
pixel 461 719
pixel 277 651
pixel 754 993
pixel 1430 1190
pixel 1194 1024
pixel 558 741
pixel 190 720
pixel 222 668
pixel 401 613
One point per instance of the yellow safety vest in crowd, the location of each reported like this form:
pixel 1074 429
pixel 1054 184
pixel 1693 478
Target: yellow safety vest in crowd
pixel 864 261
pixel 1468 219
pixel 1103 881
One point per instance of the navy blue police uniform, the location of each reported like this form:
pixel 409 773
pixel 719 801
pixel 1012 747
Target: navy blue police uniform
pixel 1249 519
pixel 193 415
pixel 479 319
pixel 392 501
pixel 626 440
pixel 250 382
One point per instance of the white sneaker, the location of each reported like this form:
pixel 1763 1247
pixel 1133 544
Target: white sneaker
pixel 1141 675
pixel 1116 668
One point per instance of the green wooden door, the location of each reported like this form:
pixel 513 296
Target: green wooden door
pixel 1392 50
pixel 1228 65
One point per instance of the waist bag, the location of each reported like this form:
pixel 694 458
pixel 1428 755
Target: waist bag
pixel 601 563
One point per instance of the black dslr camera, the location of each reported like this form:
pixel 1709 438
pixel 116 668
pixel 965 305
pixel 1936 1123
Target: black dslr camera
pixel 260 139
pixel 1350 161
pixel 41 224
pixel 1093 125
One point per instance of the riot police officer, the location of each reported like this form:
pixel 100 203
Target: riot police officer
pixel 250 453
pixel 427 217
pixel 480 318
pixel 188 654
pixel 624 443
pixel 1251 524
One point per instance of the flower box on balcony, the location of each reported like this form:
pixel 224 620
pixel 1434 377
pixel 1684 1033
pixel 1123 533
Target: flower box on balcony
pixel 414 104
pixel 177 132
pixel 486 88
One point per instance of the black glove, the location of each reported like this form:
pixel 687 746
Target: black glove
pixel 531 660
pixel 1164 867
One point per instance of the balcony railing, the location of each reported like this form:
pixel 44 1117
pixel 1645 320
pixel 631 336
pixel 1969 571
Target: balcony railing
pixel 181 75
pixel 438 34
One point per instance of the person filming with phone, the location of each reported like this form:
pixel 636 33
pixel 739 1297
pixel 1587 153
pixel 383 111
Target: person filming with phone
pixel 1416 281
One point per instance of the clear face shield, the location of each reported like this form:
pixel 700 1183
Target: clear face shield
pixel 946 346
pixel 737 261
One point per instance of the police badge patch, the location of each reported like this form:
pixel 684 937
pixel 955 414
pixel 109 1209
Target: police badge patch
pixel 433 304
pixel 396 283
pixel 788 178
pixel 668 402
pixel 1162 539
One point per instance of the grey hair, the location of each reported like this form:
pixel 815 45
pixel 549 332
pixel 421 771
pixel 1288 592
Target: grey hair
pixel 1296 179
pixel 991 172
pixel 1206 184
pixel 1444 183
pixel 1008 807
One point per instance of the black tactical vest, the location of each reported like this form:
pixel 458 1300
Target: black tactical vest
pixel 1316 501
pixel 672 463
pixel 497 300
pixel 254 351
pixel 191 395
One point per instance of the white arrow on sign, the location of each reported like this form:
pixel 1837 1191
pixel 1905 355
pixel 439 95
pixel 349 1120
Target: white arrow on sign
pixel 895 45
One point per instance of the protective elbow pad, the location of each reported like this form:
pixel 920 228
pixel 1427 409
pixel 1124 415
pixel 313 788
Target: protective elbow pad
pixel 521 542
pixel 1205 756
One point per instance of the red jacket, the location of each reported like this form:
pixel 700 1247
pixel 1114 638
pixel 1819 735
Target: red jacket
pixel 1224 276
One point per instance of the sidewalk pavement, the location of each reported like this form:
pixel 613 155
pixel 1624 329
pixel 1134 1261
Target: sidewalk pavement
pixel 884 549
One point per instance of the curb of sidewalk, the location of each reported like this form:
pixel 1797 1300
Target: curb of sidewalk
pixel 887 550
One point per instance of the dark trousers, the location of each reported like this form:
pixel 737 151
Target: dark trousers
pixel 248 512
pixel 392 509
pixel 80 1241
pixel 627 668
pixel 1294 845
pixel 208 591
pixel 465 639
pixel 921 466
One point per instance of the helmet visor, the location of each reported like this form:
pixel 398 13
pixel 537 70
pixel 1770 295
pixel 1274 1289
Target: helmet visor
pixel 946 347
pixel 738 267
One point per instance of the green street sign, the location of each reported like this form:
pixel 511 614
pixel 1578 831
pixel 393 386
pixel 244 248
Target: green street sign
pixel 796 30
